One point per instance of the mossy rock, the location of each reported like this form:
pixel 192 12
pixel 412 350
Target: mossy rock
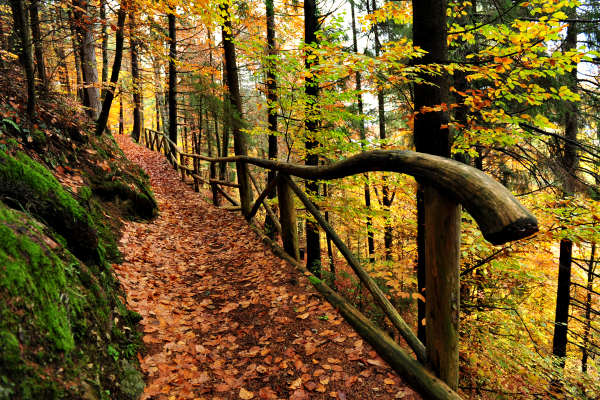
pixel 138 199
pixel 56 318
pixel 27 185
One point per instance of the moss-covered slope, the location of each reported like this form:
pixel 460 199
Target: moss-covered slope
pixel 65 332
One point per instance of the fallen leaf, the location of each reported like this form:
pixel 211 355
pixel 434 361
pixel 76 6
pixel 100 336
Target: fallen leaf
pixel 246 394
pixel 296 384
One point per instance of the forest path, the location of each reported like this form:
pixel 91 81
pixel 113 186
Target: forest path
pixel 223 318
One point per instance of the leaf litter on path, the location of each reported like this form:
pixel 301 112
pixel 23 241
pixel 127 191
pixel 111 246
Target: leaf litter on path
pixel 224 318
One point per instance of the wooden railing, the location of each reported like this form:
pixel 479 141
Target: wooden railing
pixel 499 215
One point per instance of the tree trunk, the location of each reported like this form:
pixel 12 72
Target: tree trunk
pixel 172 96
pixel 363 138
pixel 37 42
pixel 421 276
pixel 76 56
pixel 441 216
pixel 89 70
pixel 25 51
pixel 311 125
pixel 569 162
pixel 271 95
pixel 239 137
pixel 159 96
pixel 385 193
pixel 121 120
pixel 588 309
pixel 104 34
pixel 136 131
pixel 563 298
pixel 114 76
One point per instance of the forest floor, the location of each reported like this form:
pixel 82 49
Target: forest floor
pixel 224 318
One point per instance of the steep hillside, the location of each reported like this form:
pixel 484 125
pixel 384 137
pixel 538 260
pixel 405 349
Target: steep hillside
pixel 64 329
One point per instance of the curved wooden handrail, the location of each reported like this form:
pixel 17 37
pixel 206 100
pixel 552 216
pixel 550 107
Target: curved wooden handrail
pixel 498 213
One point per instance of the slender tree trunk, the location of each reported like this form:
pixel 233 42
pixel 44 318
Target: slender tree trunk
pixel 121 119
pixel 114 76
pixel 64 70
pixel 37 42
pixel 588 309
pixel 385 192
pixel 563 298
pixel 441 215
pixel 311 125
pixel 25 51
pixel 363 138
pixel 159 96
pixel 172 79
pixel 77 57
pixel 136 131
pixel 239 137
pixel 104 34
pixel 569 161
pixel 221 148
pixel 329 246
pixel 271 95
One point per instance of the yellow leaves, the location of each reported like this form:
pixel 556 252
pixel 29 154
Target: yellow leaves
pixel 245 394
pixel 296 384
pixel 303 316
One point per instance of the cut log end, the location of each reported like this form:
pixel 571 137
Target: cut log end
pixel 519 229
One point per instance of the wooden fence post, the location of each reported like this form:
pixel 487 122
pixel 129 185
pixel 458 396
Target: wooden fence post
pixel 287 217
pixel 442 274
pixel 182 162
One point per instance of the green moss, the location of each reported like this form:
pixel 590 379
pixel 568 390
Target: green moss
pixel 136 198
pixel 85 193
pixel 36 274
pixel 31 187
pixel 61 311
pixel 132 381
pixel 9 349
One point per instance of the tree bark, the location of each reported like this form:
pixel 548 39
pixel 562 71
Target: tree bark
pixel 386 199
pixel 569 162
pixel 239 138
pixel 311 125
pixel 588 309
pixel 172 94
pixel 114 76
pixel 76 56
pixel 421 275
pixel 89 70
pixel 104 34
pixel 25 51
pixel 563 298
pixel 159 96
pixel 121 119
pixel 37 42
pixel 271 88
pixel 136 131
pixel 363 138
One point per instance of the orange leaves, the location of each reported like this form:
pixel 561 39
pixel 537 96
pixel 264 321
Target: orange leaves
pixel 229 307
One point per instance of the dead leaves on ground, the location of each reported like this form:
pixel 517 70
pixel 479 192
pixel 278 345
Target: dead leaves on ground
pixel 225 319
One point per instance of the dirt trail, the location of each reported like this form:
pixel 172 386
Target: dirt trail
pixel 223 318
